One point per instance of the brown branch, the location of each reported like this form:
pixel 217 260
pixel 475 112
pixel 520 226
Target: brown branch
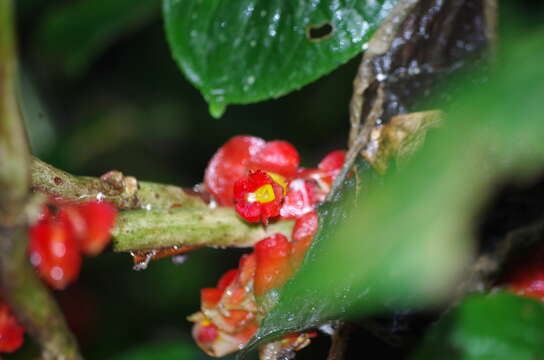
pixel 19 285
pixel 378 45
pixel 340 338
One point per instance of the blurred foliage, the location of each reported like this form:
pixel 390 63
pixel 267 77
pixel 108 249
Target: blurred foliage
pixel 494 327
pixel 246 50
pixel 93 26
pixel 409 238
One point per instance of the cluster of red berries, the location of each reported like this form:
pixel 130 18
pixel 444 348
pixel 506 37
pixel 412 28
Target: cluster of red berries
pixel 56 241
pixel 263 182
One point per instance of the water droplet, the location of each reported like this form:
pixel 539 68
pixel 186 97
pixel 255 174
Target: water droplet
pixel 217 109
pixel 147 207
pixel 381 77
pixel 56 273
pixel 252 43
pixel 250 80
pixel 179 259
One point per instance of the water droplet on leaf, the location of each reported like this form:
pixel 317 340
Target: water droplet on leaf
pixel 217 109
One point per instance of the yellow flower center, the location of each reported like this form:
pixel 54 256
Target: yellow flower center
pixel 264 194
pixel 280 180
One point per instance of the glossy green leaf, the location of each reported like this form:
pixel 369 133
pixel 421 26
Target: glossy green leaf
pixel 75 33
pixel 495 327
pixel 242 51
pixel 409 237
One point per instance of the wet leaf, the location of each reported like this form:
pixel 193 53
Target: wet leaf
pixel 242 51
pixel 409 237
pixel 499 327
pixel 75 33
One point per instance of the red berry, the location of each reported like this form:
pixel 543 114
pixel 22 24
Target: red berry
pixel 98 220
pixel 206 332
pixel 303 234
pixel 11 333
pixel 228 165
pixel 299 200
pixel 333 161
pixel 273 268
pixel 227 279
pixel 331 165
pixel 528 279
pixel 258 197
pixel 306 226
pixel 54 252
pixel 210 297
pixel 277 156
pixel 247 266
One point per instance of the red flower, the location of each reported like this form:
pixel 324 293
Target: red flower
pixel 273 268
pixel 241 154
pixel 54 252
pixel 228 165
pixel 258 197
pixel 11 333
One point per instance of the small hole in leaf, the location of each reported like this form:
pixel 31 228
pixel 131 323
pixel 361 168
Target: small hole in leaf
pixel 319 32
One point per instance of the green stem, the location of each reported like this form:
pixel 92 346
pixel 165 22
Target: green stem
pixel 221 227
pixel 19 285
pixel 125 192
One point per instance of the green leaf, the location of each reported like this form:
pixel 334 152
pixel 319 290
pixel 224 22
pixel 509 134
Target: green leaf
pixel 75 33
pixel 409 238
pixel 242 51
pixel 495 327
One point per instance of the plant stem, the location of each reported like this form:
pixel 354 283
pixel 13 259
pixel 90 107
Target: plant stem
pixel 125 192
pixel 138 230
pixel 19 285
